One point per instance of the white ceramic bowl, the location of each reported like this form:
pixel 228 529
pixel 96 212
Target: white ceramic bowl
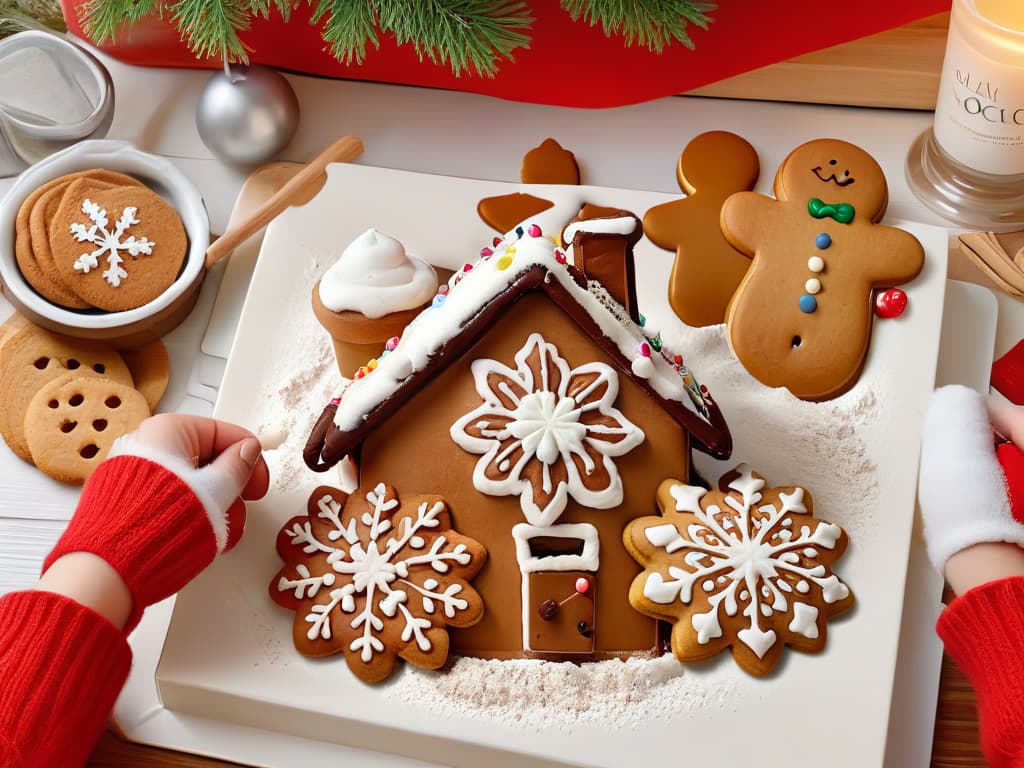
pixel 130 327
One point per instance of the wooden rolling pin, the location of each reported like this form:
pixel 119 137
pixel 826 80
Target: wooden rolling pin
pixel 301 188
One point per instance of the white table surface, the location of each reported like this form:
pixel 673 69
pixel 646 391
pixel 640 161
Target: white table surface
pixel 448 133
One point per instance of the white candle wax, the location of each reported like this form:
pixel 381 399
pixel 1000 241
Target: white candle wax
pixel 979 116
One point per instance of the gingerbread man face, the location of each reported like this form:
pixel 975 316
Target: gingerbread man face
pixel 802 316
pixel 834 172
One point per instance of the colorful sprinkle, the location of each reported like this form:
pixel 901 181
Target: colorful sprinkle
pixel 391 343
pixel 656 343
pixel 560 256
pixel 485 252
pixel 823 241
pixel 678 359
pixel 496 242
pixel 816 264
pixel 360 373
pixel 891 303
pixel 533 231
pixel 808 304
pixel 645 349
pixel 510 251
pixel 504 262
pixel 443 288
pixel 519 231
pixel 335 400
pixel 643 321
pixel 438 300
pixel 813 285
pixel 466 267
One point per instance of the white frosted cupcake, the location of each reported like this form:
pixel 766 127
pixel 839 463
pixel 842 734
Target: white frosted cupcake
pixel 369 295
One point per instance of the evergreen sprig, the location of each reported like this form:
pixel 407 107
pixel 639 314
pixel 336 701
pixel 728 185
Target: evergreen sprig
pixel 211 27
pixel 468 36
pixel 650 23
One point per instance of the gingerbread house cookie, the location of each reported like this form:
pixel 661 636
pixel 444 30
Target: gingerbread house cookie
pixel 531 399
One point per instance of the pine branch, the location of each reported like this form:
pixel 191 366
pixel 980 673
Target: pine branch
pixel 211 27
pixel 467 35
pixel 650 23
pixel 284 7
pixel 101 19
pixel 351 24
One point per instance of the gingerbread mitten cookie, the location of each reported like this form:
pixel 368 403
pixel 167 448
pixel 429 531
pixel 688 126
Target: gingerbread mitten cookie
pixel 547 163
pixel 707 269
pixel 378 578
pixel 745 567
pixel 802 316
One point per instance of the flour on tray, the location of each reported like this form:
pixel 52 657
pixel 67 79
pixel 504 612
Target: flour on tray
pixel 534 694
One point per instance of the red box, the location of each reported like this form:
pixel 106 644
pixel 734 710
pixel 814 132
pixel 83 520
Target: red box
pixel 568 63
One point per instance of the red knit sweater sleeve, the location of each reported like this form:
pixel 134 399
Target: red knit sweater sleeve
pixel 983 630
pixel 62 666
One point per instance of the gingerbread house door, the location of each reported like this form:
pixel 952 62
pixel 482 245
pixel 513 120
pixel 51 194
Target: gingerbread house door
pixel 559 566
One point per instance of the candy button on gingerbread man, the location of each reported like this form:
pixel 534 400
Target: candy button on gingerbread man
pixel 802 316
pixel 707 269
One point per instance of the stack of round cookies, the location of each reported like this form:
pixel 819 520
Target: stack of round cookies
pixel 66 400
pixel 98 240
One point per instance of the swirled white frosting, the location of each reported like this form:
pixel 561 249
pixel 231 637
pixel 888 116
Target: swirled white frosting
pixel 375 276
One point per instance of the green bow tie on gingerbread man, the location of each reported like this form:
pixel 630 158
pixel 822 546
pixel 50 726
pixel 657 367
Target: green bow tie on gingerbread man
pixel 841 212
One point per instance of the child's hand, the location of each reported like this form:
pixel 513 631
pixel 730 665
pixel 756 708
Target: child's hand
pixel 962 491
pixel 166 501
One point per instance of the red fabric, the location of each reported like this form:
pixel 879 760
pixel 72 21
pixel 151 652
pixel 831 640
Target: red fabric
pixel 568 63
pixel 984 633
pixel 1008 374
pixel 147 523
pixel 1012 461
pixel 62 666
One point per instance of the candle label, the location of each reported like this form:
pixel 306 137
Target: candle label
pixel 979 117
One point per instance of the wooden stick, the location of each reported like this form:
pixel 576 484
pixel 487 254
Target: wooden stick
pixel 302 187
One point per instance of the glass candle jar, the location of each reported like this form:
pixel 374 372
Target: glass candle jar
pixel 969 168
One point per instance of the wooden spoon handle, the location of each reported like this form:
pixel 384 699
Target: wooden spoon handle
pixel 302 186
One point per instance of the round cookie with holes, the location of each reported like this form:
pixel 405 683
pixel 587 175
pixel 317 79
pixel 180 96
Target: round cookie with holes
pixel 31 357
pixel 73 420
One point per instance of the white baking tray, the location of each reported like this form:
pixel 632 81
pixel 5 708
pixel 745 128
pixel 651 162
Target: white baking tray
pixel 228 653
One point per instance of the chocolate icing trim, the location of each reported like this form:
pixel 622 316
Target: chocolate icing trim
pixel 327 445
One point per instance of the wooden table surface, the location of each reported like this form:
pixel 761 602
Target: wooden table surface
pixel 910 56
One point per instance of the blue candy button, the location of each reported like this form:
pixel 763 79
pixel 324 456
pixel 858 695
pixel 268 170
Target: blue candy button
pixel 823 241
pixel 808 303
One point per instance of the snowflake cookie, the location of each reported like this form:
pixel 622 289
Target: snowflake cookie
pixel 376 578
pixel 116 247
pixel 745 567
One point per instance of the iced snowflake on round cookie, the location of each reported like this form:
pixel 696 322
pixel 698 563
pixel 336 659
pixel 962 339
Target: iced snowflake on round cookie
pixel 377 578
pixel 745 567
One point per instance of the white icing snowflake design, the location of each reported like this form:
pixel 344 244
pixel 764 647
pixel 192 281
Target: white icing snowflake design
pixel 108 242
pixel 352 569
pixel 740 551
pixel 547 432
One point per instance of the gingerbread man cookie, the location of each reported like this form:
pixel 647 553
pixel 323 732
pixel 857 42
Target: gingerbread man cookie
pixel 801 318
pixel 547 163
pixel 707 269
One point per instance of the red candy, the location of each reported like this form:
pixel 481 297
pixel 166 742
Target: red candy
pixel 485 252
pixel 533 230
pixel 582 586
pixel 560 257
pixel 890 303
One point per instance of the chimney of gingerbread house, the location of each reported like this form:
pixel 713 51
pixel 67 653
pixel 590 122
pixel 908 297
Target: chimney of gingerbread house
pixel 602 241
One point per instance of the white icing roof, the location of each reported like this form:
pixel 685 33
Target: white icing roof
pixel 479 284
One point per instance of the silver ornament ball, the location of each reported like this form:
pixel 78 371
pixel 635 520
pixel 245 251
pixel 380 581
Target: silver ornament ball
pixel 247 114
